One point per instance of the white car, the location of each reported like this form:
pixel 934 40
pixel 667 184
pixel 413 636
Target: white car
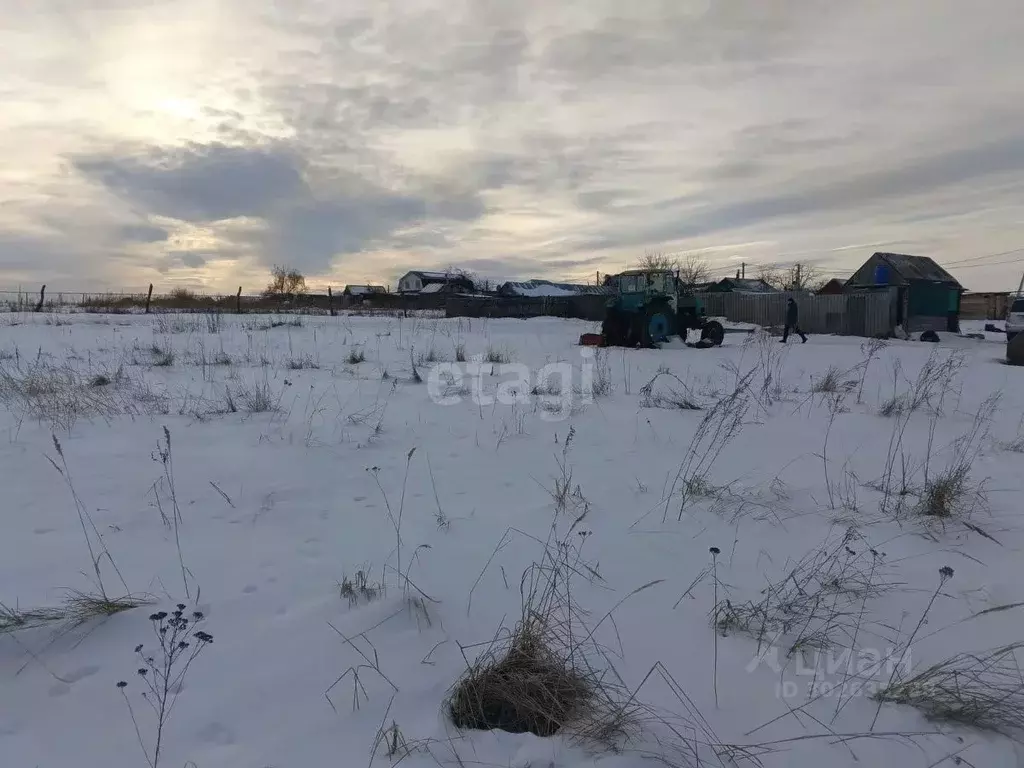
pixel 1015 317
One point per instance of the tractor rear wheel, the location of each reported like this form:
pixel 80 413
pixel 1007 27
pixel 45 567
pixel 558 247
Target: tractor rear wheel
pixel 657 323
pixel 714 332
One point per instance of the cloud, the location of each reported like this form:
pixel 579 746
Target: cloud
pixel 143 233
pixel 200 183
pixel 312 214
pixel 541 139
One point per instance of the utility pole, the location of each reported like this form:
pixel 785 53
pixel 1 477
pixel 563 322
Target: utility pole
pixel 797 282
pixel 743 269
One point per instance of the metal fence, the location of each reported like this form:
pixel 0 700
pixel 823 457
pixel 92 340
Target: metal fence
pixel 583 307
pixel 864 314
pixel 186 301
pixel 984 306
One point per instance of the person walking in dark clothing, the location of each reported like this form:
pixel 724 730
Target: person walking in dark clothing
pixel 792 322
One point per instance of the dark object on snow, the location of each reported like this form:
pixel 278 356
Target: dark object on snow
pixel 792 321
pixel 930 336
pixel 974 336
pixel 703 344
pixel 1015 350
pixel 990 328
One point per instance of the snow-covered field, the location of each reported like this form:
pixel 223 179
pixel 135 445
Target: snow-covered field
pixel 355 538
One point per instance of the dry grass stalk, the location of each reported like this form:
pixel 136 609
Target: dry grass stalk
pixel 985 691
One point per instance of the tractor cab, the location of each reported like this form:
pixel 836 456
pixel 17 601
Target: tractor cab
pixel 638 286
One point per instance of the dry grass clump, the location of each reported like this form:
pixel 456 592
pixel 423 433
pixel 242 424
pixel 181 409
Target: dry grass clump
pixel 60 394
pixel 206 322
pixel 498 355
pixel 302 363
pixel 952 493
pixel 359 589
pixel 818 604
pixel 548 674
pixel 721 424
pixel 985 691
pixel 78 608
pixel 600 385
pixel 538 676
pixel 929 390
pixel 15 619
pixel 432 355
pixel 1014 446
pixel 524 686
pixel 163 357
pixel 833 381
pixel 668 395
pixel 258 397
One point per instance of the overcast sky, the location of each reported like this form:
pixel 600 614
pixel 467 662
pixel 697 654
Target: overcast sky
pixel 199 142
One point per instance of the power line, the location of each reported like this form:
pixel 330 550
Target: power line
pixel 990 264
pixel 986 256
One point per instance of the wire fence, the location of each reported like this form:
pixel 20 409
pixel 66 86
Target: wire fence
pixel 188 301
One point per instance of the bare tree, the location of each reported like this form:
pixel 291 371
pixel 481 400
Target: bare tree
pixel 804 277
pixel 773 276
pixel 657 261
pixel 455 273
pixel 693 269
pixel 799 277
pixel 285 281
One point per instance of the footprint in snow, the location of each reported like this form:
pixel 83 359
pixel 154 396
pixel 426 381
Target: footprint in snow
pixel 249 589
pixel 42 531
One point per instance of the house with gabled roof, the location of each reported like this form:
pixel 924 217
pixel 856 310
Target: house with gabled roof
pixel 418 281
pixel 927 296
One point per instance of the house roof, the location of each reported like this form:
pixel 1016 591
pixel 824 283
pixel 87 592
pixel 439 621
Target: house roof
pixel 916 267
pixel 437 276
pixel 747 285
pixel 538 287
pixel 642 271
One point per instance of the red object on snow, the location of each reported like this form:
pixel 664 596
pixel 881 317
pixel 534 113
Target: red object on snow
pixel 592 340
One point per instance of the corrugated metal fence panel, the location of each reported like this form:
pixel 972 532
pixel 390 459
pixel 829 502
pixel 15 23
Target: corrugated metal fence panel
pixel 866 314
pixel 983 306
pixel 584 307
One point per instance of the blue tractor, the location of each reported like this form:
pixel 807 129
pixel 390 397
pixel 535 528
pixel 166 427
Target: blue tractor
pixel 650 307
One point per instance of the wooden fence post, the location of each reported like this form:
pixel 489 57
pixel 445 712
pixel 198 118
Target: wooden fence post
pixel 42 299
pixel 330 300
pixel 238 301
pixel 149 297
